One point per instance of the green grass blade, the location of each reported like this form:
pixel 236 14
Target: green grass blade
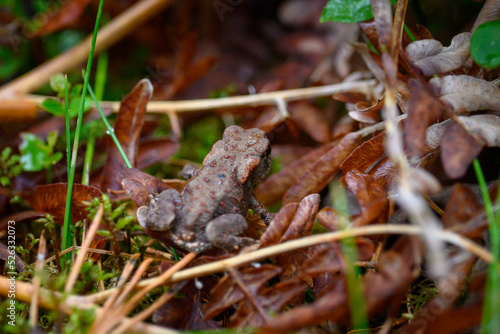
pixel 66 121
pixel 110 129
pixel 354 280
pixel 66 238
pixel 490 322
pixel 101 75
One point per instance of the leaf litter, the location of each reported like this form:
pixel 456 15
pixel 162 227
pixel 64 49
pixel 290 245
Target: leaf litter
pixel 393 172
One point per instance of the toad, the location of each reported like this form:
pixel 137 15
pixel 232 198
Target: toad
pixel 210 211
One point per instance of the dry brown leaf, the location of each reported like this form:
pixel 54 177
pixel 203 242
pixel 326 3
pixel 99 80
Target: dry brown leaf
pixel 371 196
pixel 465 93
pixel 52 199
pixel 367 114
pixel 140 185
pixel 383 289
pixel 279 225
pixel 463 141
pixel 462 206
pixel 127 129
pixel 430 57
pixel 322 170
pixel 423 109
pixel 311 120
pixel 484 127
pixel 302 222
pixel 227 292
pixel 272 189
pixel 272 300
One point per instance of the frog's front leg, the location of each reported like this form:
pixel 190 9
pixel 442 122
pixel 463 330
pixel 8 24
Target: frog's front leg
pixel 160 214
pixel 260 209
pixel 223 231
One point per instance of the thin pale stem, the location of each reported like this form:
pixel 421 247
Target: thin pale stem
pixel 264 253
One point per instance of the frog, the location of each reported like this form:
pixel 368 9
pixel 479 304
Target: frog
pixel 210 211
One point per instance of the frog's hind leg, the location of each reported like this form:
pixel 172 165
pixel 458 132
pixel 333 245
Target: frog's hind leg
pixel 223 231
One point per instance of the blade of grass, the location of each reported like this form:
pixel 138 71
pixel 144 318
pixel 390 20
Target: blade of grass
pixel 110 131
pixel 100 82
pixel 101 75
pixel 490 322
pixel 354 281
pixel 66 121
pixel 66 239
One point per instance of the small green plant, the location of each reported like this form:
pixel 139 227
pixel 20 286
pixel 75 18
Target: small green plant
pixel 29 242
pixel 10 166
pixel 224 91
pixel 490 322
pixel 56 107
pixel 36 155
pixel 347 11
pixel 117 217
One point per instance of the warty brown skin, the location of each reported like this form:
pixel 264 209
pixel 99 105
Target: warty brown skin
pixel 210 211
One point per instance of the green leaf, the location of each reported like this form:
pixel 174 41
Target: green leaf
pixel 485 44
pixel 4 181
pixel 6 153
pixel 74 105
pixel 34 152
pixel 57 83
pixel 53 106
pixel 53 159
pixel 52 138
pixel 104 233
pixel 347 11
pixel 124 222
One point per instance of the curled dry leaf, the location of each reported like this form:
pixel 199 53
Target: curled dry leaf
pixel 430 57
pixel 383 289
pixel 127 129
pixel 302 222
pixel 423 109
pixel 140 185
pixel 371 196
pixel 300 226
pixel 462 206
pixel 184 313
pixel 464 93
pixel 279 225
pixel 463 141
pixel 367 114
pixel 311 120
pixel 227 292
pixel 369 158
pixel 51 199
pixel 272 189
pixel 322 170
pixel 272 300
